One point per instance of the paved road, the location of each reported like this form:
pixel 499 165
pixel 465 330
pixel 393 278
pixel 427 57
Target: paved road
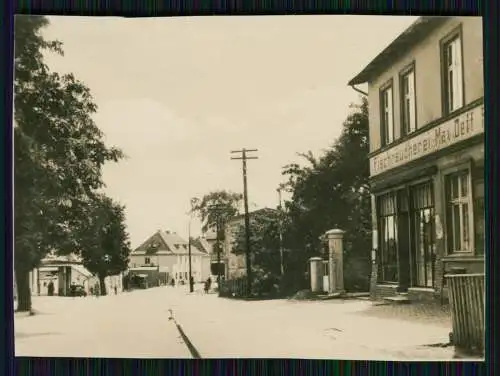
pixel 137 324
pixel 125 325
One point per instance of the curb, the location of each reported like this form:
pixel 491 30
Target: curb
pixel 194 352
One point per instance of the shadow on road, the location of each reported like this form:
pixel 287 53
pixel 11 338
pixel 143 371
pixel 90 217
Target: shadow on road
pixel 19 335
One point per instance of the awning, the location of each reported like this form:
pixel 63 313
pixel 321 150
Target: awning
pixel 48 269
pixel 82 270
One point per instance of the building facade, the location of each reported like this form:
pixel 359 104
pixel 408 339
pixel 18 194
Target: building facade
pixel 170 254
pixel 236 262
pixel 63 271
pixel 425 94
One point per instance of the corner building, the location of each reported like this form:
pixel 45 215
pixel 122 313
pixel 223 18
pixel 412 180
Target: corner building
pixel 425 94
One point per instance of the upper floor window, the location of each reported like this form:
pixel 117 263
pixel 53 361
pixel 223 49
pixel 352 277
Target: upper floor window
pixel 408 114
pixel 459 212
pixel 147 260
pixel 387 116
pixel 453 73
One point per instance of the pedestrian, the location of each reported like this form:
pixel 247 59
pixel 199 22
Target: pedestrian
pixel 209 280
pixel 116 290
pixel 172 282
pixel 206 287
pixel 50 288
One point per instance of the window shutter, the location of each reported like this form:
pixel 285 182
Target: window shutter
pixel 411 93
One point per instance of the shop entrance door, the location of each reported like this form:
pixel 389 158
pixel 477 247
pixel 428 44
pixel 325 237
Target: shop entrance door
pixel 404 240
pixel 423 235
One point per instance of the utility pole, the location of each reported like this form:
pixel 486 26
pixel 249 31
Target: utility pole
pixel 191 286
pixel 280 208
pixel 216 208
pixel 244 157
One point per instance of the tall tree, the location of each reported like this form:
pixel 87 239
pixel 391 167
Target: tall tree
pixel 59 153
pixel 265 245
pixel 228 204
pixel 332 191
pixel 104 242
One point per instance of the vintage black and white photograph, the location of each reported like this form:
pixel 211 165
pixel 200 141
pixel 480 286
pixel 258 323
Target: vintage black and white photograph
pixel 303 186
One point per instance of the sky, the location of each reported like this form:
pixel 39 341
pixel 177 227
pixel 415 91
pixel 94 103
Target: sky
pixel 178 94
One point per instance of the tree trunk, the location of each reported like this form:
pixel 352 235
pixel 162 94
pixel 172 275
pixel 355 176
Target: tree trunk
pixel 102 286
pixel 23 291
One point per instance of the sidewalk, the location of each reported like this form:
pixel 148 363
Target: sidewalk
pixel 315 330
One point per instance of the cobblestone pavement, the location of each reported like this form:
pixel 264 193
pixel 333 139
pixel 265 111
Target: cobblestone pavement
pixel 431 313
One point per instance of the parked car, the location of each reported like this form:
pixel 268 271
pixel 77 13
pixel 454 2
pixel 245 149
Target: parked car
pixel 78 290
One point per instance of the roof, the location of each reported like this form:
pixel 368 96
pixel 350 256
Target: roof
pixel 259 211
pixel 53 258
pixel 202 244
pixel 170 243
pixel 414 34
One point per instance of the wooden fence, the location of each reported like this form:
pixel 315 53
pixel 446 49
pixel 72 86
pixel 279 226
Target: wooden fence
pixel 466 295
pixel 233 287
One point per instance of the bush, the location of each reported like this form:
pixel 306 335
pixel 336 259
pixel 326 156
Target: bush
pixel 357 272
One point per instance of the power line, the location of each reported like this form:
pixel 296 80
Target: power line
pixel 244 157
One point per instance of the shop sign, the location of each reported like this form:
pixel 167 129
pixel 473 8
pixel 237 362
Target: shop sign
pixel 462 127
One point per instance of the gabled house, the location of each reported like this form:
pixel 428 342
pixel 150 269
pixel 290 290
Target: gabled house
pixel 425 95
pixel 169 253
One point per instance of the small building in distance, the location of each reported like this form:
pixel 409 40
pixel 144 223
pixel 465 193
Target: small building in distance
pixel 169 254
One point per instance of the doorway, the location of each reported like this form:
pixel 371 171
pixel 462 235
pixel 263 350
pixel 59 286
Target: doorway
pixel 423 245
pixel 404 240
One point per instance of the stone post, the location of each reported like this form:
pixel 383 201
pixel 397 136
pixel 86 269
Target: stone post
pixel 335 257
pixel 316 274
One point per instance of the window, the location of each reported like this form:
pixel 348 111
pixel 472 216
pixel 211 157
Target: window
pixel 408 110
pixel 423 255
pixel 147 260
pixel 387 119
pixel 458 213
pixel 388 246
pixel 452 73
pixel 479 233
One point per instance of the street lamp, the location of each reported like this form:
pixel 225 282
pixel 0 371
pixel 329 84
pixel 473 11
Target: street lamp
pixel 280 208
pixel 107 260
pixel 191 284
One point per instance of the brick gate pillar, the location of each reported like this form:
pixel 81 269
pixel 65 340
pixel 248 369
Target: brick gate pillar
pixel 336 260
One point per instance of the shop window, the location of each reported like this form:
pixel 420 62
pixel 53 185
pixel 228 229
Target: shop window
pixel 387 116
pixel 479 232
pixel 423 255
pixel 451 52
pixel 459 212
pixel 388 245
pixel 408 109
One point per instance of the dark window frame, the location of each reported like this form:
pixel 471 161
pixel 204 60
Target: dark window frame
pixel 444 42
pixel 410 68
pixel 381 256
pixel 383 132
